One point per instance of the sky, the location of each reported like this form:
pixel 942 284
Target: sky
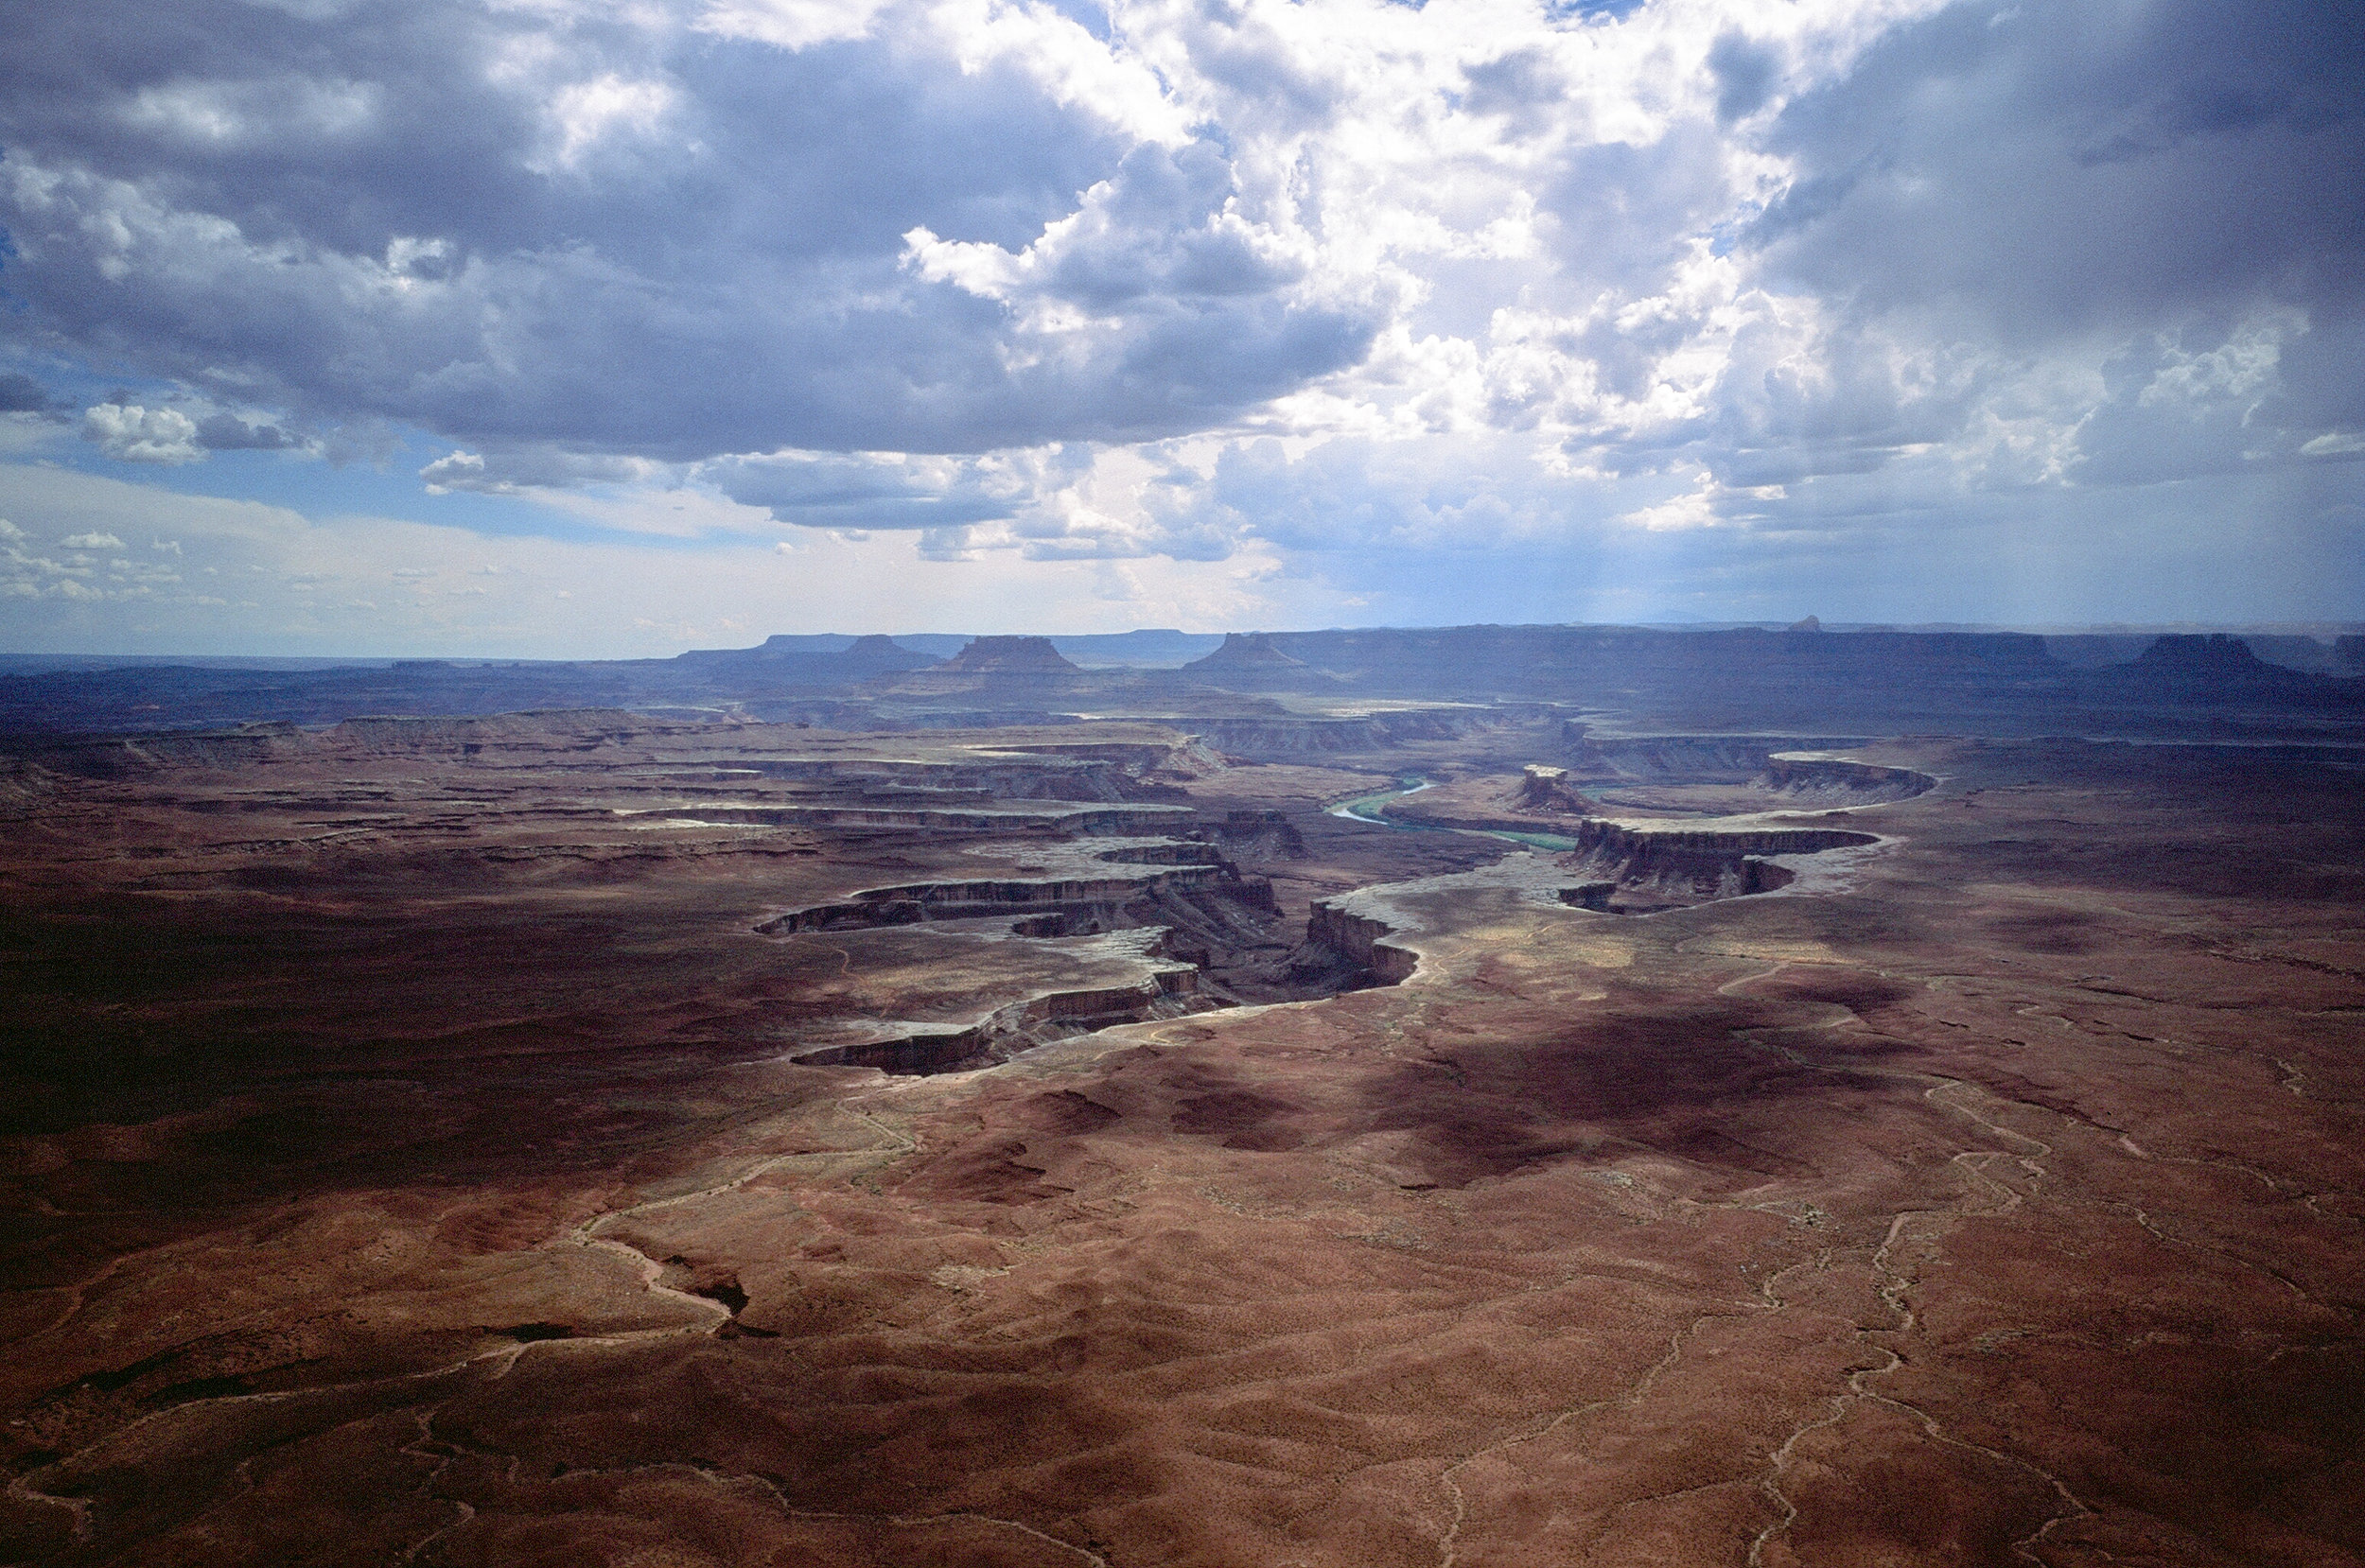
pixel 578 328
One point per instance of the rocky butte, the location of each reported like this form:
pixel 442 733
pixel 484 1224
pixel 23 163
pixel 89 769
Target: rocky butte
pixel 1424 1097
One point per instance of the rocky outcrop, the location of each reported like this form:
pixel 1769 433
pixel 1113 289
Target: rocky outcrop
pixel 1632 870
pixel 1837 781
pixel 130 755
pixel 1548 789
pixel 1080 819
pixel 1105 771
pixel 1636 771
pixel 1278 739
pixel 24 787
pixel 1181 884
pixel 1184 756
pixel 1685 758
pixel 1592 895
pixel 1021 1026
pixel 561 730
pixel 1260 835
pixel 1597 834
pixel 1362 940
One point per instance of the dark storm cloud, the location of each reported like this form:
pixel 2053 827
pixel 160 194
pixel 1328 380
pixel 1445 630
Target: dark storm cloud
pixel 1745 74
pixel 511 229
pixel 227 432
pixel 823 491
pixel 2049 169
pixel 20 394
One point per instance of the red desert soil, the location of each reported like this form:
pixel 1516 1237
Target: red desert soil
pixel 405 1165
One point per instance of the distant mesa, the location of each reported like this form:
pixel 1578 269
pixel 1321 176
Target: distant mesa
pixel 1741 680
pixel 1250 661
pixel 1023 669
pixel 883 654
pixel 1810 624
pixel 1250 647
pixel 1010 657
pixel 2186 668
pixel 2209 664
pixel 814 660
pixel 2215 653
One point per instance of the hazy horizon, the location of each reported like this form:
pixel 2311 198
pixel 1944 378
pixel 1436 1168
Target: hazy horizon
pixel 2320 631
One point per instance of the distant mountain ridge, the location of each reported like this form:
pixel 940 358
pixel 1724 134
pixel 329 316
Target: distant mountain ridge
pixel 1737 679
pixel 795 660
pixel 1152 648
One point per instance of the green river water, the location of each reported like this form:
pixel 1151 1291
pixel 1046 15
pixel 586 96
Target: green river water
pixel 1367 808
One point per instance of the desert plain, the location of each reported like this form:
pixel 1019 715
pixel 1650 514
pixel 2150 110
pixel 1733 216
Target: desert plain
pixel 1106 1128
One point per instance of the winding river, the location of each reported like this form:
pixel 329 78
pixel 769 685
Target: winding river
pixel 1368 809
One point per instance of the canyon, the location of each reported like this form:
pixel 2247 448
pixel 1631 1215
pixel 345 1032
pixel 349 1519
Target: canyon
pixel 1475 1097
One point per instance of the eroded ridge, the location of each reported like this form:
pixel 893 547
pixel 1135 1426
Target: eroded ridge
pixel 1148 900
pixel 1171 926
pixel 1630 868
pixel 1087 885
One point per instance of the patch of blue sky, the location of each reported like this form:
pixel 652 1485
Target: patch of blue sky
pixel 321 489
pixel 1591 11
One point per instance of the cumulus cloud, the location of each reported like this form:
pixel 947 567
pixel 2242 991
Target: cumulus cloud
pixel 2049 171
pixel 131 433
pixel 510 471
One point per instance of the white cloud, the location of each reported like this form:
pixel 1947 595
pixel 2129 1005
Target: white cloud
pixel 90 541
pixel 584 115
pixel 790 24
pixel 1693 509
pixel 134 434
pixel 302 582
pixel 231 113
